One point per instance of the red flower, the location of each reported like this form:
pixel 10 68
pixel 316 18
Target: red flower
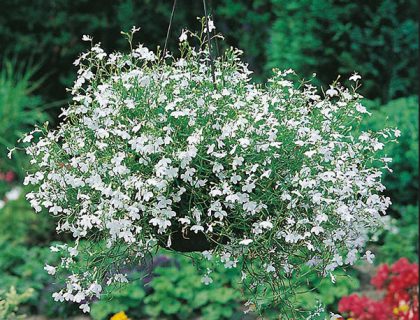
pixel 381 276
pixel 363 308
pixel 9 176
pixel 400 283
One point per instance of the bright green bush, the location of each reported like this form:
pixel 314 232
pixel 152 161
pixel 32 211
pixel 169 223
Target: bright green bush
pixel 402 183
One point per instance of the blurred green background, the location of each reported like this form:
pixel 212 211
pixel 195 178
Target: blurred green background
pixel 40 39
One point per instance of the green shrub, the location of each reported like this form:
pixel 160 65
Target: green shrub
pixel 378 39
pixel 317 293
pixel 25 238
pixel 51 30
pixel 403 240
pixel 23 268
pixel 19 225
pixel 402 183
pixel 174 291
pixel 173 286
pixel 20 110
pixel 127 298
pixel 246 25
pixel 296 37
pixel 10 301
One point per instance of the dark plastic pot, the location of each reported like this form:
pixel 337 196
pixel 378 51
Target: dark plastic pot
pixel 191 242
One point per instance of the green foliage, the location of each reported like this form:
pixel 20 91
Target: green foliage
pixel 24 250
pixel 19 225
pixel 315 291
pixel 246 25
pixel 325 291
pixel 402 242
pixel 19 109
pixel 295 36
pixel 51 30
pixel 10 301
pixel 402 183
pixel 179 291
pixel 174 292
pixel 380 40
pixel 23 268
pixel 124 298
pixel 376 38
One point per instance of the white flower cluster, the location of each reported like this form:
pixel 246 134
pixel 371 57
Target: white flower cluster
pixel 270 176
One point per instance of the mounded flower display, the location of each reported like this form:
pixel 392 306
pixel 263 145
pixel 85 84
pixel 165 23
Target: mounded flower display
pixel 153 151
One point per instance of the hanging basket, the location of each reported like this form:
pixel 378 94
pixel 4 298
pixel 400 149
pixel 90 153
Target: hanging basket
pixel 188 153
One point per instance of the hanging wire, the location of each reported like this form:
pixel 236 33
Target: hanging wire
pixel 214 21
pixel 213 74
pixel 169 29
pixel 215 38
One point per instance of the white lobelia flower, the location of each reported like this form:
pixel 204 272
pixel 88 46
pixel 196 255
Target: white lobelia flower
pixel 183 37
pixel 369 256
pixel 87 38
pixel 331 92
pixel 85 307
pixel 50 269
pixel 13 194
pixel 246 242
pixel 197 228
pixel 211 26
pixel 266 225
pixel 355 76
pixel 206 280
pixel 270 268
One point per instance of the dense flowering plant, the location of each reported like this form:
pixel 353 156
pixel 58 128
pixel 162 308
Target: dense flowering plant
pixel 153 152
pixel 401 295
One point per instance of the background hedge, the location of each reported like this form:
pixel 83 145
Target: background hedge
pixel 377 38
